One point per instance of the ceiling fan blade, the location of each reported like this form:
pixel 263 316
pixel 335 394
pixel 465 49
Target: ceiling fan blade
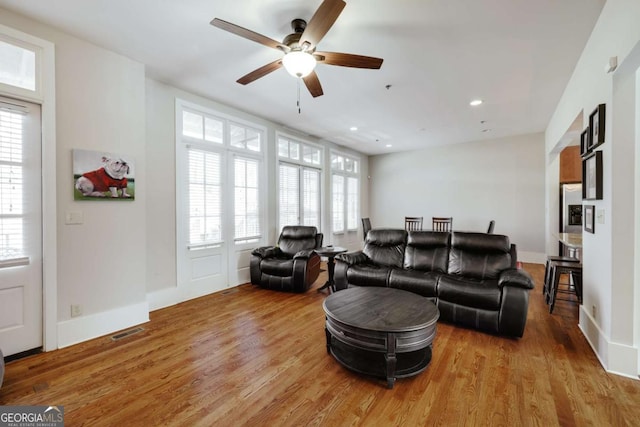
pixel 348 60
pixel 313 84
pixel 321 22
pixel 260 72
pixel 248 34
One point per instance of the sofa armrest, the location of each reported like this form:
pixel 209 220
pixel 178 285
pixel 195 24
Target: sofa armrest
pixel 515 277
pixel 304 254
pixel 353 258
pixel 266 251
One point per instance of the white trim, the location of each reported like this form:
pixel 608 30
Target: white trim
pixel 532 257
pixel 80 329
pixel 615 358
pixel 47 99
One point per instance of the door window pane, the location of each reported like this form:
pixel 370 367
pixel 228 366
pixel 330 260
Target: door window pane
pixel 289 203
pixel 337 202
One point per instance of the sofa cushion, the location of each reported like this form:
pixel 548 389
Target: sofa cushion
pixel 486 320
pixel 368 275
pixel 479 255
pixel 427 250
pixel 386 247
pixel 277 267
pixel 419 282
pixel 483 294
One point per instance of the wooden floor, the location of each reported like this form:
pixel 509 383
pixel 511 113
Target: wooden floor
pixel 256 357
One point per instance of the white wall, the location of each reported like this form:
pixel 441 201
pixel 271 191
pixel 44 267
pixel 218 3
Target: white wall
pixel 100 105
pixel 609 269
pixel 501 179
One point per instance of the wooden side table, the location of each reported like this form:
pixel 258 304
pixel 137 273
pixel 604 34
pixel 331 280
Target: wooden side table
pixel 330 253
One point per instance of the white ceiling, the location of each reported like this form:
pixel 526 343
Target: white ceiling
pixel 516 55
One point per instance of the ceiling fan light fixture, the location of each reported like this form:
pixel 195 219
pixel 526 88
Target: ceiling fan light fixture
pixel 298 63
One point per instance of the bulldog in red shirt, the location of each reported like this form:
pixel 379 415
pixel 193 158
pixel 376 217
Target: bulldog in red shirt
pixel 109 178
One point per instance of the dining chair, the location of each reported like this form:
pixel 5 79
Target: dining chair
pixel 442 223
pixel 492 224
pixel 366 226
pixel 413 223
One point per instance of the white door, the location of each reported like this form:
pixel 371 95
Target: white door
pixel 202 263
pixel 20 227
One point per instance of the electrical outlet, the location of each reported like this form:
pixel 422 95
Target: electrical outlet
pixel 76 310
pixel 593 311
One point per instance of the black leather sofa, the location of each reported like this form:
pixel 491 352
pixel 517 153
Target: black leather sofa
pixel 471 277
pixel 292 265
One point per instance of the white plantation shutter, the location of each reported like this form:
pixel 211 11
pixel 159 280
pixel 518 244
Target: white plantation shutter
pixel 337 202
pixel 311 197
pixel 205 197
pixel 289 195
pixel 11 185
pixel 246 199
pixel 352 203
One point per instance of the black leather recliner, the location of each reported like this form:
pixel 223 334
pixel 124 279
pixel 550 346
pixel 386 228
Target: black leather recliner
pixel 290 266
pixel 471 277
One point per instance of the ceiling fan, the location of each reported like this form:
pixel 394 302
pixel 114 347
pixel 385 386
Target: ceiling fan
pixel 299 48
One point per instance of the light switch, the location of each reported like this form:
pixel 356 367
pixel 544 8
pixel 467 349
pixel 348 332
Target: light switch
pixel 74 218
pixel 600 216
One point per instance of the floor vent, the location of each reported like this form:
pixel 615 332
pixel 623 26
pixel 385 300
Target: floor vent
pixel 125 334
pixel 229 291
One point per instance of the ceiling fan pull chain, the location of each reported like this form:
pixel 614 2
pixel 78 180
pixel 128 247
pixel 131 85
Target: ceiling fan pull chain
pixel 298 79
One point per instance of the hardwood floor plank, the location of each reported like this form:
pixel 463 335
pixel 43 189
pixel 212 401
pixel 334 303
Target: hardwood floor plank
pixel 256 357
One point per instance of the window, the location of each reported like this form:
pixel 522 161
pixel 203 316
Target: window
pixel 345 198
pixel 213 146
pixel 289 188
pixel 246 200
pixel 289 149
pixel 299 183
pixel 205 198
pixel 11 185
pixel 337 202
pixel 17 66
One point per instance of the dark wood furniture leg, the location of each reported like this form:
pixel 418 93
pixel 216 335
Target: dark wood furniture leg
pixel 331 266
pixel 390 358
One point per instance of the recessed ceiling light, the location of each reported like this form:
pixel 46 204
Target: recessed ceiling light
pixel 475 102
pixel 353 128
pixel 388 145
pixel 486 130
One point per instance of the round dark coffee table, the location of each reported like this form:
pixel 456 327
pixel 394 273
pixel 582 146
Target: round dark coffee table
pixel 383 332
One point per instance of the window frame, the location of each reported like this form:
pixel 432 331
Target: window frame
pixel 228 154
pixel 302 166
pixel 343 172
pixel 35 95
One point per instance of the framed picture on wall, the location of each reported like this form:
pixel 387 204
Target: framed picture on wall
pixel 585 141
pixel 596 124
pixel 592 176
pixel 98 175
pixel 589 218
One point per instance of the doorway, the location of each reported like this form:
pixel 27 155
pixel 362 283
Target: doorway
pixel 21 304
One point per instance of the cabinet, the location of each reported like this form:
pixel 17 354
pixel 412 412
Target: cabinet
pixel 570 165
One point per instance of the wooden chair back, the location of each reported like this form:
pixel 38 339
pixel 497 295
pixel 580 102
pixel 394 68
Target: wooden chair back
pixel 492 224
pixel 413 223
pixel 442 223
pixel 366 226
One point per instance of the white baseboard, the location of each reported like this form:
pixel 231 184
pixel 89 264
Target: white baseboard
pixel 532 257
pixel 172 296
pixel 84 328
pixel 615 358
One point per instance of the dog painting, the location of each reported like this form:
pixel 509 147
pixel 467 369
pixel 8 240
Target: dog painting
pixel 101 176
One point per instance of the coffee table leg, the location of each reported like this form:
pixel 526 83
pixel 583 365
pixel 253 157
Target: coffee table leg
pixel 390 358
